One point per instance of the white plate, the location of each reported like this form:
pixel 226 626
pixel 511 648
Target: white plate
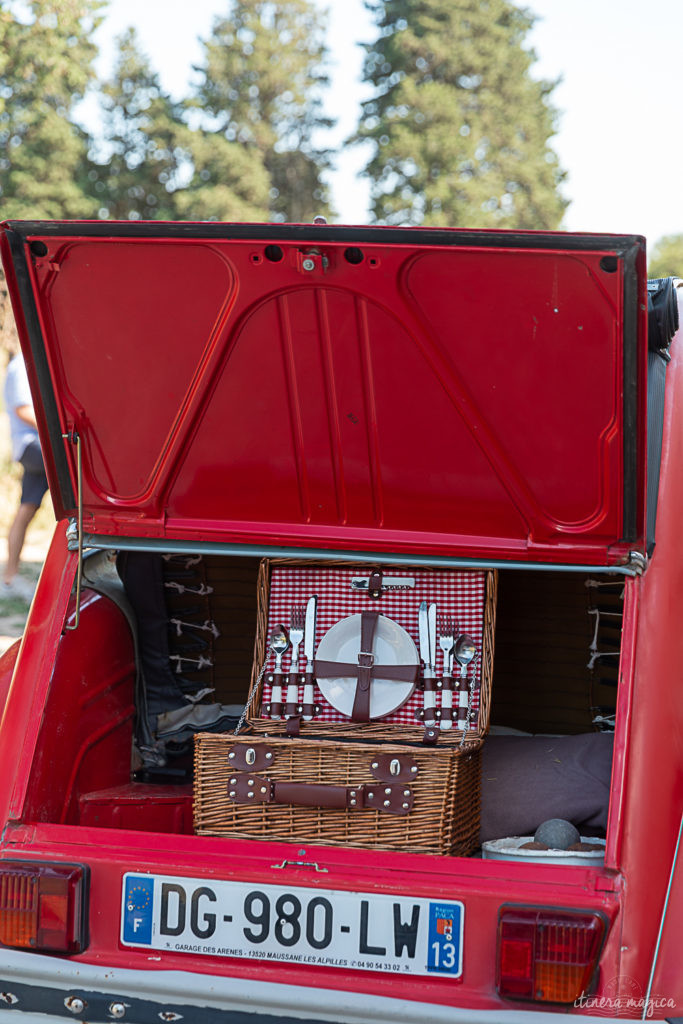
pixel 509 849
pixel 391 646
pixel 366 931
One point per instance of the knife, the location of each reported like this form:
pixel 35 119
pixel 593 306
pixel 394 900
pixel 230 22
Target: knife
pixel 423 627
pixel 431 622
pixel 309 648
pixel 427 645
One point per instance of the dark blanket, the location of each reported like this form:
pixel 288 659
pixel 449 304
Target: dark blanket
pixel 528 779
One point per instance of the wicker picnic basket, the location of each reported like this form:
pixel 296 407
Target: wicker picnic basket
pixel 370 795
pixel 412 731
pixel 370 784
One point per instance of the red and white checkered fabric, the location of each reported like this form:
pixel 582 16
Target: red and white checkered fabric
pixel 458 595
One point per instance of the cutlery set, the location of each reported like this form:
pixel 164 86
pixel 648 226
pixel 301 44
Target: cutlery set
pixel 457 648
pixel 454 646
pixel 301 629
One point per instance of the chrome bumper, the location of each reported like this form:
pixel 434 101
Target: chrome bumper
pixel 37 989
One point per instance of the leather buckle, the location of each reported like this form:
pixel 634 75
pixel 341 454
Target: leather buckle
pixel 366 664
pixel 375 583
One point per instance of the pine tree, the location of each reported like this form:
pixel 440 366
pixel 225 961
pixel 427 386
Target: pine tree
pixel 149 164
pixel 459 127
pixel 262 78
pixel 228 181
pixel 45 68
pixel 138 159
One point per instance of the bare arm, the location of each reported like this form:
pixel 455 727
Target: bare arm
pixel 26 413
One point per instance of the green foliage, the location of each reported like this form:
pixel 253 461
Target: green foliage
pixel 459 127
pixel 241 149
pixel 153 166
pixel 140 150
pixel 228 182
pixel 45 67
pixel 666 258
pixel 262 78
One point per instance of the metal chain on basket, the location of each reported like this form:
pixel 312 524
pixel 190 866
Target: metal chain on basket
pixel 251 698
pixel 470 702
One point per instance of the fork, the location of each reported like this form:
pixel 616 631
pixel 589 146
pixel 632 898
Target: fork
pixel 447 631
pixel 296 635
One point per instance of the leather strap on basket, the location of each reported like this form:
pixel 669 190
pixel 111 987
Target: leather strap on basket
pixel 375 583
pixel 366 669
pixel 366 660
pixel 256 789
pixel 293 725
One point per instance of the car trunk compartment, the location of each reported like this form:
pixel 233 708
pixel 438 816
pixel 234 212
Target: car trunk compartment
pixel 553 673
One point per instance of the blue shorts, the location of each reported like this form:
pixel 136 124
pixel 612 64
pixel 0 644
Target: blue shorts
pixel 34 483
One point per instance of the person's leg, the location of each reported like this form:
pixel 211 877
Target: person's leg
pixel 33 487
pixel 16 537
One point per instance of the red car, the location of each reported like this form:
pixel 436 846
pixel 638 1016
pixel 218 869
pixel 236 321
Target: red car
pixel 410 401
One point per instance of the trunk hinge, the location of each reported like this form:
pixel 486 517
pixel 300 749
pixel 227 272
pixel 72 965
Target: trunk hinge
pixel 73 438
pixel 637 561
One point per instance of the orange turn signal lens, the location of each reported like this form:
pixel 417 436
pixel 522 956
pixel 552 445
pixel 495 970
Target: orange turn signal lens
pixel 42 906
pixel 547 955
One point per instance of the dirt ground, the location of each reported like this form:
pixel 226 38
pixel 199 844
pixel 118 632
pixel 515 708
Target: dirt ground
pixel 13 611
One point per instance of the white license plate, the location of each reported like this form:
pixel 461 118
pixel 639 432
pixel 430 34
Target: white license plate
pixel 357 930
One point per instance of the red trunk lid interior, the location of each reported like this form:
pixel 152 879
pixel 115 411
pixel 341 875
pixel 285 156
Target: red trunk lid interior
pixel 389 390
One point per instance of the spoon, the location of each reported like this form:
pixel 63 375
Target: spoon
pixel 464 652
pixel 279 643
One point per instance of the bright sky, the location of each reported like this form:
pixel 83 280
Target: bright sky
pixel 620 98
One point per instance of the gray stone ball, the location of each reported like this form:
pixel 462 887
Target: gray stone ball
pixel 557 833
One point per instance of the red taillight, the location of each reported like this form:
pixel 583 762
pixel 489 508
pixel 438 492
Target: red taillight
pixel 547 955
pixel 42 906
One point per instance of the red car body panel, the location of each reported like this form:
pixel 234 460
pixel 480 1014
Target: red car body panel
pixel 652 786
pixel 383 872
pixel 348 473
pixel 109 854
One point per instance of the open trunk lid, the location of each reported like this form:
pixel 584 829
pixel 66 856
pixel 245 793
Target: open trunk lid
pixel 373 390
